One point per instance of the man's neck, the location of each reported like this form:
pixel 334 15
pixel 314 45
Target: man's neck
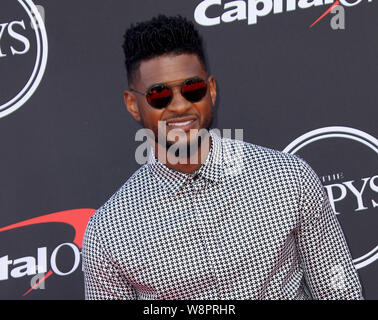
pixel 188 164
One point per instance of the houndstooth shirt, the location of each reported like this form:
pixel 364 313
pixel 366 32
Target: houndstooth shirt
pixel 251 223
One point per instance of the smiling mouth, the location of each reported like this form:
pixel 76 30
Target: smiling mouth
pixel 183 124
pixel 179 124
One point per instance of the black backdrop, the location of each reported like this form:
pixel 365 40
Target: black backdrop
pixel 70 144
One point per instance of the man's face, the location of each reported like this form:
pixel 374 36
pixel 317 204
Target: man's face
pixel 180 115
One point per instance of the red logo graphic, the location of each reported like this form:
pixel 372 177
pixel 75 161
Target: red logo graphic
pixel 77 218
pixel 336 3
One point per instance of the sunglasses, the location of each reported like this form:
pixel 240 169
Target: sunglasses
pixel 160 95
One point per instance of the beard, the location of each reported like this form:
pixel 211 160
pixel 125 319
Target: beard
pixel 188 147
pixel 191 145
pixel 182 150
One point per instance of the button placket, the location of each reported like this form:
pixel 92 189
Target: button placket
pixel 204 225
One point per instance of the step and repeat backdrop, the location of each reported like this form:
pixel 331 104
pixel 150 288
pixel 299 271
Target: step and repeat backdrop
pixel 298 76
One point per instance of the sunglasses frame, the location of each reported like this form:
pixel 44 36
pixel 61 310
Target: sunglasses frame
pixel 181 85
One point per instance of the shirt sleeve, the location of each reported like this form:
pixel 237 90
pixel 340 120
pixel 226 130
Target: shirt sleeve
pixel 103 279
pixel 323 251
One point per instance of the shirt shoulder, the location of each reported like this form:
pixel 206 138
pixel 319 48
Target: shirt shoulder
pixel 265 168
pixel 121 202
pixel 258 159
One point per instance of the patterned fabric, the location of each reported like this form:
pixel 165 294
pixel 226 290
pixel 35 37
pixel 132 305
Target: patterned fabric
pixel 251 223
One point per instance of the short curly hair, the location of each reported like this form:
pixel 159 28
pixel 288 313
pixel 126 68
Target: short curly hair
pixel 160 36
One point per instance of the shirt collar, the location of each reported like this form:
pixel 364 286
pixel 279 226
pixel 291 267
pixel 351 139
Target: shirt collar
pixel 211 169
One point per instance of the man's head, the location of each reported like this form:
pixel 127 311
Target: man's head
pixel 168 51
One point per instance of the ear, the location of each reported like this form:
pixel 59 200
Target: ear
pixel 131 105
pixel 213 89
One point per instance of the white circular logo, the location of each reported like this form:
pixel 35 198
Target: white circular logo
pixel 14 44
pixel 353 189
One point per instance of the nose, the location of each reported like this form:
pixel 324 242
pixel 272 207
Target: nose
pixel 178 104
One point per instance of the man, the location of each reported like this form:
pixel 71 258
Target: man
pixel 234 221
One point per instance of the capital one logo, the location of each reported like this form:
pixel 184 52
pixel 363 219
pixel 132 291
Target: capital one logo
pixel 214 12
pixel 23 53
pixel 345 160
pixel 41 265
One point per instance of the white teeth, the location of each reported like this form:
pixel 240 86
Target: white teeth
pixel 179 124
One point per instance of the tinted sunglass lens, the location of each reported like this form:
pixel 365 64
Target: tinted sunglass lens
pixel 194 89
pixel 159 96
